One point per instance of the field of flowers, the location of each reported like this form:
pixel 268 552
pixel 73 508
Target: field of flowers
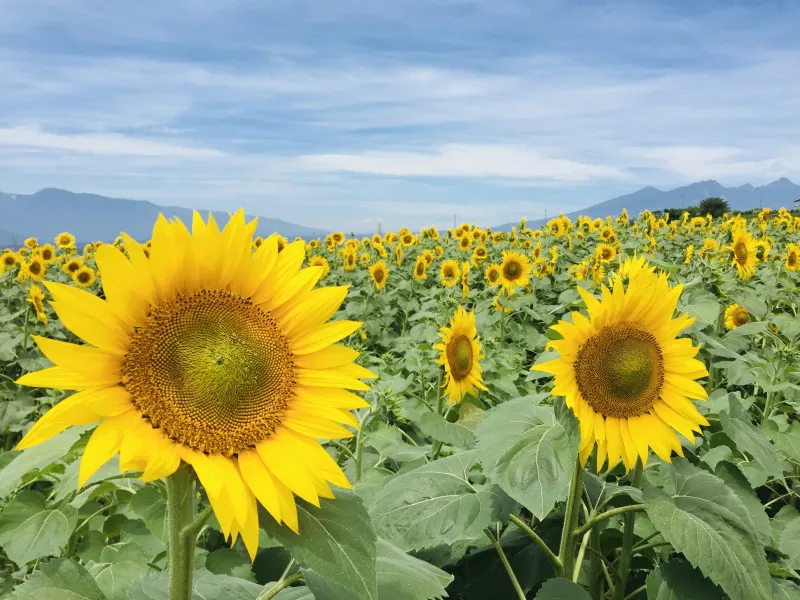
pixel 598 409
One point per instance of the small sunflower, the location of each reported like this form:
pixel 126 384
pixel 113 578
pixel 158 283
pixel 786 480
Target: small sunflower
pixel 31 243
pixel 449 273
pixel 736 316
pixel 364 259
pixel 84 277
pixel 792 261
pixel 65 240
pixel 624 373
pixel 689 252
pixel 465 243
pixel 47 253
pixel 408 239
pixel 36 299
pixel 516 270
pixel 493 274
pixel 379 273
pixel 337 237
pixel 349 261
pixel 8 261
pixel 460 353
pixel 72 265
pixel 420 269
pixel 465 279
pixel 429 257
pixel 320 261
pixel 36 269
pixel 744 254
pixel 479 255
pixel 605 253
pixel 398 254
pixel 210 354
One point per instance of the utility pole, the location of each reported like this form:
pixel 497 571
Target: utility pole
pixel 380 230
pixel 545 214
pixel 454 221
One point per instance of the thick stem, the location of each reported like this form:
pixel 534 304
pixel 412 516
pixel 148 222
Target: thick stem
pixel 437 444
pixel 608 514
pixel 627 541
pixel 566 550
pixel 180 548
pixel 280 586
pixel 539 542
pixel 506 564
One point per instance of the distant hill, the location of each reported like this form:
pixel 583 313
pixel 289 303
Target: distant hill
pixel 90 217
pixel 746 197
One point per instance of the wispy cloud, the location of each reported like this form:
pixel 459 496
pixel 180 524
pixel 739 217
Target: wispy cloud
pixel 359 107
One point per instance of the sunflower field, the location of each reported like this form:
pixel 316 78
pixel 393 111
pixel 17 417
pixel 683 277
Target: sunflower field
pixel 597 409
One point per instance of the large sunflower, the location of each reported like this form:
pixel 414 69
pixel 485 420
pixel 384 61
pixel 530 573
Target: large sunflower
pixel 516 270
pixel 744 254
pixel 210 354
pixel 460 354
pixel 625 375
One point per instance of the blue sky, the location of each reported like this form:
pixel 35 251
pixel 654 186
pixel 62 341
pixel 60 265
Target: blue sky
pixel 336 114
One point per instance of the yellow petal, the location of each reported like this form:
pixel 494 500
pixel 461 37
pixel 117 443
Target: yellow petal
pixel 614 441
pixel 325 335
pixel 260 481
pixel 311 310
pixel 122 284
pixel 103 444
pixel 327 358
pixel 277 458
pixel 86 360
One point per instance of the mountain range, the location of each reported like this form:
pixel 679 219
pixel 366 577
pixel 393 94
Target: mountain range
pixel 89 217
pixel 781 192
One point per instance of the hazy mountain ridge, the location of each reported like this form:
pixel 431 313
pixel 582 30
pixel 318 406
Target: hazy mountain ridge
pixel 90 217
pixel 781 192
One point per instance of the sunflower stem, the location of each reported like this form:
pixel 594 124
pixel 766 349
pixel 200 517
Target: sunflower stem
pixel 627 541
pixel 557 567
pixel 437 444
pixel 566 549
pixel 504 559
pixel 180 548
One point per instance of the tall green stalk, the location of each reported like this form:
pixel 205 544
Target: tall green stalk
pixel 180 548
pixel 627 540
pixel 566 553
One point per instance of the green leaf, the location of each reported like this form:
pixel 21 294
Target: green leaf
pixel 752 441
pixel 119 566
pixel 29 530
pixel 704 308
pixel 37 457
pixel 59 580
pixel 227 561
pixel 562 589
pixel 785 590
pixel 735 480
pixel 438 428
pixel 337 541
pixel 528 453
pixel 432 504
pixel 790 543
pixel 677 580
pixel 748 329
pixel 789 441
pixel 150 504
pixel 205 586
pixel 403 577
pixel 705 519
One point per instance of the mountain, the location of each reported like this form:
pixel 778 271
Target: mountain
pixel 746 197
pixel 90 217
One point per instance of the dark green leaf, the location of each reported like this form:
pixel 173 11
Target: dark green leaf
pixel 403 577
pixel 438 428
pixel 752 441
pixel 678 580
pixel 59 580
pixel 562 589
pixel 150 503
pixel 738 483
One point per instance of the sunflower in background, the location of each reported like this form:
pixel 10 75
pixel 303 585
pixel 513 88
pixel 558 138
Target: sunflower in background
pixel 744 251
pixel 689 252
pixel 449 273
pixel 31 243
pixel 72 265
pixel 84 277
pixel 8 261
pixel 460 352
pixel 65 240
pixel 465 279
pixel 35 268
pixel 479 255
pixel 231 367
pixel 36 299
pixel 792 261
pixel 379 273
pixel 624 373
pixel 320 261
pixel 421 269
pixel 493 274
pixel 515 270
pixel 605 253
pixel 736 316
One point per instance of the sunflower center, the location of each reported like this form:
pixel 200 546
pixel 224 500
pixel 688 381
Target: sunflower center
pixel 84 277
pixel 459 355
pixel 378 275
pixel 35 268
pixel 420 268
pixel 741 317
pixel 620 370
pixel 212 370
pixel 792 259
pixel 740 251
pixel 512 270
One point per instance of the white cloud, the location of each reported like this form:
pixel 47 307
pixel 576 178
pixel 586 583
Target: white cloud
pixel 108 144
pixel 462 160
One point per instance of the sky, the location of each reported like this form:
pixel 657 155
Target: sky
pixel 342 114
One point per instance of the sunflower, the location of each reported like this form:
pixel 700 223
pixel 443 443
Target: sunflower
pixel 710 246
pixel 605 253
pixel 608 235
pixel 364 259
pixel 744 254
pixel 320 261
pixel 516 270
pixel 8 261
pixel 465 243
pixel 35 268
pixel 377 239
pixel 36 299
pixel 478 255
pixel 213 355
pixel 420 269
pixel 429 257
pixel 580 271
pixel 792 261
pixel 449 273
pixel 465 279
pixel 379 273
pixel 84 277
pixel 460 353
pixel 493 274
pixel 349 261
pixel 407 239
pixel 736 316
pixel 398 254
pixel 626 375
pixel 31 242
pixel 47 253
pixel 689 252
pixel 72 265
pixel 65 240
pixel 381 249
pixel 337 237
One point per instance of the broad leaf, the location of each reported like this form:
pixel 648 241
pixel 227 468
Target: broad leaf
pixel 29 530
pixel 785 590
pixel 751 440
pixel 562 589
pixel 403 577
pixel 432 504
pixel 119 566
pixel 528 453
pixel 438 428
pixel 738 483
pixel 337 541
pixel 150 504
pixel 790 543
pixel 205 586
pixel 705 519
pixel 59 580
pixel 678 580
